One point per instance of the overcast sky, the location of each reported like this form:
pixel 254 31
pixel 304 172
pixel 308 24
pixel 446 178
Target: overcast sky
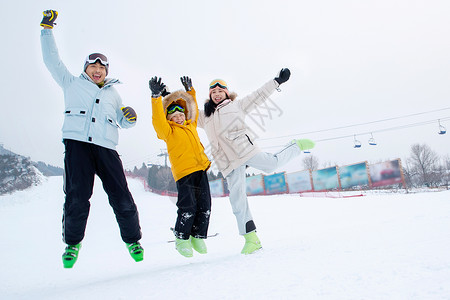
pixel 352 62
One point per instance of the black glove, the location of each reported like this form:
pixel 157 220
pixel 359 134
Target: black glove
pixel 156 86
pixel 48 21
pixel 129 114
pixel 165 92
pixel 283 76
pixel 187 83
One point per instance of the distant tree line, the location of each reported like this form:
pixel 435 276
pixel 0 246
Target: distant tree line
pixel 49 170
pixel 425 168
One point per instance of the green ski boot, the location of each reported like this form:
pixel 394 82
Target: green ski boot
pixel 252 243
pixel 136 251
pixel 305 144
pixel 184 247
pixel 198 245
pixel 70 255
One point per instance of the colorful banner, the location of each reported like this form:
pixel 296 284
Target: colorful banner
pixel 275 184
pixel 255 185
pixel 216 188
pixel 325 179
pixel 386 173
pixel 299 182
pixel 353 175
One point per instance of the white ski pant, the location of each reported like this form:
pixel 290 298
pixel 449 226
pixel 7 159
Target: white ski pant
pixel 236 180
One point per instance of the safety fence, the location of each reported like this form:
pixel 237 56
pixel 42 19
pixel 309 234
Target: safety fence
pixel 333 179
pixel 327 182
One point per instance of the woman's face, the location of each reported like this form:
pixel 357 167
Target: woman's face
pixel 218 95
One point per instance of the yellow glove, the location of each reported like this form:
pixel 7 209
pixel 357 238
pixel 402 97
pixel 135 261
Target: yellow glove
pixel 48 21
pixel 129 114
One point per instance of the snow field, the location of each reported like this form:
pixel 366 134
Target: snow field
pixel 374 247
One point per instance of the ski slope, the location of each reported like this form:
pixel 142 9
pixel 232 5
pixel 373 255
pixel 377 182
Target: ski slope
pixel 390 246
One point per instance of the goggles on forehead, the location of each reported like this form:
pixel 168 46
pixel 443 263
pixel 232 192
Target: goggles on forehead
pixel 92 58
pixel 218 83
pixel 173 108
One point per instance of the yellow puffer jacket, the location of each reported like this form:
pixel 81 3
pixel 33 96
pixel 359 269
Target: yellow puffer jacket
pixel 186 152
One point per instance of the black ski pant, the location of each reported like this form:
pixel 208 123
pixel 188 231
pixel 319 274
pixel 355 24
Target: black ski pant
pixel 194 206
pixel 82 161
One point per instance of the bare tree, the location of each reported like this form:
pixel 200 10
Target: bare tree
pixel 446 171
pixel 329 164
pixel 423 164
pixel 310 162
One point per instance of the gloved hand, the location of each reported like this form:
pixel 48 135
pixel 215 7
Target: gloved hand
pixel 129 114
pixel 187 83
pixel 305 144
pixel 283 76
pixel 48 21
pixel 156 86
pixel 165 92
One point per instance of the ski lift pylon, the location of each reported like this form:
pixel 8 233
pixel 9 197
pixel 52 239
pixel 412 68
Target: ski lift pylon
pixel 442 129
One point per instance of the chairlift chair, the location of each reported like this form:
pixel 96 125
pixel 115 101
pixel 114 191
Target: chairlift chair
pixel 357 144
pixel 372 141
pixel 442 129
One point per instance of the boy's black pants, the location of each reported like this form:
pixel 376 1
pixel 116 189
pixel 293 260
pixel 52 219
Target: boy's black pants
pixel 194 206
pixel 82 161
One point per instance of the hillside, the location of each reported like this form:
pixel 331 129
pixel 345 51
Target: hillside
pixel 18 172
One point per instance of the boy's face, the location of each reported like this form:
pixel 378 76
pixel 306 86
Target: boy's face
pixel 178 118
pixel 97 72
pixel 218 95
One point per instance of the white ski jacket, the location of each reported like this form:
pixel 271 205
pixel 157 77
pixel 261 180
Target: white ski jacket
pixel 91 114
pixel 230 138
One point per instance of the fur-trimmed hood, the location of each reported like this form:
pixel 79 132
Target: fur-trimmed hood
pixel 185 100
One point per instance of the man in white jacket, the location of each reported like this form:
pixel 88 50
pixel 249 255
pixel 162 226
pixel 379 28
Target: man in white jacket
pixel 92 116
pixel 233 148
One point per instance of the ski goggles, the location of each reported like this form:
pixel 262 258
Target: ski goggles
pixel 218 83
pixel 173 108
pixel 94 57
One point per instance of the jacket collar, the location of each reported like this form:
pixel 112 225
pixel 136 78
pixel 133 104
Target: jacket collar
pixel 108 81
pixel 223 103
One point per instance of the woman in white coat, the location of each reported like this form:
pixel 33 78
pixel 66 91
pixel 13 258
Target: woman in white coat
pixel 233 148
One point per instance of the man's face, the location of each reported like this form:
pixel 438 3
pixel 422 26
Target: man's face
pixel 97 72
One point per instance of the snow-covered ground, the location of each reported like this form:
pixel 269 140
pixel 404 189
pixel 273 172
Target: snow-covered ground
pixel 373 247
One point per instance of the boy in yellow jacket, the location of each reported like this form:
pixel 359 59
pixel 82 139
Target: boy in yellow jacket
pixel 175 121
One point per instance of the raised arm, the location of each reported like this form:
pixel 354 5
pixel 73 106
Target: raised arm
pixel 187 83
pixel 50 52
pixel 159 120
pixel 259 96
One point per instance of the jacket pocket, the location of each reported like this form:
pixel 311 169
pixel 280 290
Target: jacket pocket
pixel 111 130
pixel 75 119
pixel 233 135
pixel 241 145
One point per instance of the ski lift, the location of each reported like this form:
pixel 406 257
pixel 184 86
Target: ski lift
pixel 372 140
pixel 442 129
pixel 357 144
